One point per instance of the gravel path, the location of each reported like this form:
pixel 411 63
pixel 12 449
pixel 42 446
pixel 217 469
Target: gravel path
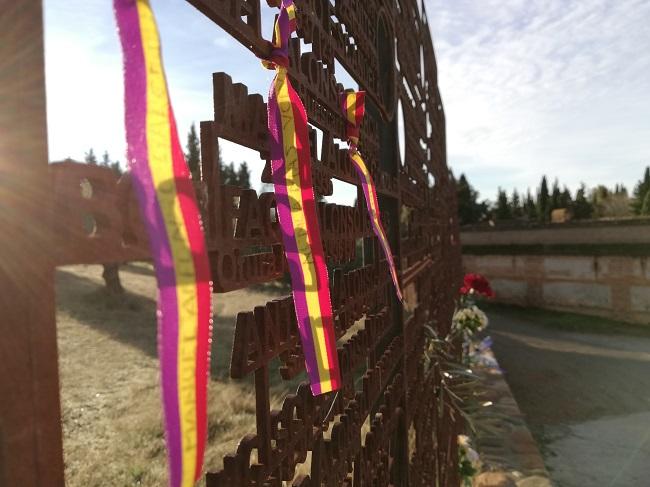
pixel 586 397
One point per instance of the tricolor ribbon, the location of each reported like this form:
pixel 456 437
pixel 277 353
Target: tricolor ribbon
pixel 353 105
pixel 170 213
pixel 294 194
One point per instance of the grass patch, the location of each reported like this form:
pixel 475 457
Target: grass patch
pixel 566 321
pixel 110 395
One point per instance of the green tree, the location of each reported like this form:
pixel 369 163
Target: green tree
pixel 608 203
pixel 620 190
pixel 502 210
pixel 112 165
pixel 244 176
pixel 193 155
pixel 90 157
pixel 236 177
pixel 469 209
pixel 530 210
pixel 645 207
pixel 565 198
pixel 543 201
pixel 640 191
pixel 516 206
pixel 555 196
pixel 582 209
pixel 598 200
pixel 228 174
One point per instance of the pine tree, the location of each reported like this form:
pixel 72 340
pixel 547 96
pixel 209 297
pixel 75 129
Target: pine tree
pixel 640 191
pixel 112 165
pixel 466 199
pixel 244 176
pixel 517 210
pixel 555 196
pixel 543 209
pixel 193 155
pixel 228 174
pixel 565 198
pixel 502 210
pixel 469 209
pixel 582 209
pixel 530 211
pixel 90 157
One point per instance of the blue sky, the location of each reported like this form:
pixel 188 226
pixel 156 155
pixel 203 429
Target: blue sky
pixel 530 87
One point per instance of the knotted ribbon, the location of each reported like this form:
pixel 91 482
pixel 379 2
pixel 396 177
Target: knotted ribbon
pixel 294 194
pixel 353 105
pixel 165 193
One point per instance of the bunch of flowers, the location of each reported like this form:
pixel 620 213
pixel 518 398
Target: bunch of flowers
pixel 469 462
pixel 457 389
pixel 470 320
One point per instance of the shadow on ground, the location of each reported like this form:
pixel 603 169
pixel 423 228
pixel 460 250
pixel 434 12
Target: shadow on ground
pixel 130 318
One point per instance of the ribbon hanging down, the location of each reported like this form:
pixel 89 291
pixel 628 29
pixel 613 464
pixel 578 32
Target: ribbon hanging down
pixel 294 194
pixel 170 213
pixel 353 104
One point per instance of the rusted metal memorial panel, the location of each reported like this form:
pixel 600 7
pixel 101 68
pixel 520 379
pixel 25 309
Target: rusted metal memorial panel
pixel 385 426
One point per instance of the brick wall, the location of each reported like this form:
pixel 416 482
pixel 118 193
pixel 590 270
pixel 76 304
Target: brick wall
pixel 605 273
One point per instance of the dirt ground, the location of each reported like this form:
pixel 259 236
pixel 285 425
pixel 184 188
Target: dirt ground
pixel 586 395
pixel 109 379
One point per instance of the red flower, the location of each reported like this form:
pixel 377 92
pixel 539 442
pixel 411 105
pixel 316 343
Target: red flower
pixel 477 283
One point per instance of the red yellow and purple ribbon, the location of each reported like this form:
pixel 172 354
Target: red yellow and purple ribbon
pixel 294 193
pixel 353 104
pixel 170 213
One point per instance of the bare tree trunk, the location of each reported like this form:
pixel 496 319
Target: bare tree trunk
pixel 111 277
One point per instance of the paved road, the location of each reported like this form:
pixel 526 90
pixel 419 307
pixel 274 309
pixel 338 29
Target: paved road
pixel 586 398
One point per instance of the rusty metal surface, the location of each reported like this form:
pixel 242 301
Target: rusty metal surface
pixel 31 452
pixel 96 216
pixel 385 427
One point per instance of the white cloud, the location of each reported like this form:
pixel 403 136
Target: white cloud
pixel 552 87
pixel 559 87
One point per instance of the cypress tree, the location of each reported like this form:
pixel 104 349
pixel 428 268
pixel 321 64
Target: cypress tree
pixel 543 198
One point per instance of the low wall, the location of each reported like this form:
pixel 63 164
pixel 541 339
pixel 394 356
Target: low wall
pixel 593 268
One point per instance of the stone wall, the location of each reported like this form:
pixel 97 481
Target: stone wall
pixel 592 268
